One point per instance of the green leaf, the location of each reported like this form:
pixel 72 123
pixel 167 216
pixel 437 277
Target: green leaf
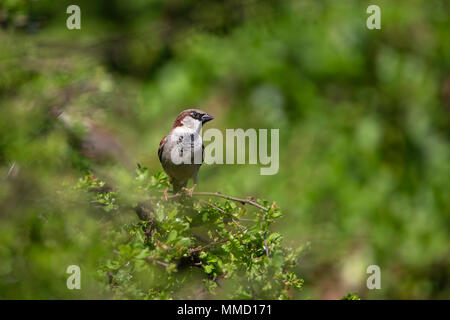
pixel 208 268
pixel 172 236
pixel 184 242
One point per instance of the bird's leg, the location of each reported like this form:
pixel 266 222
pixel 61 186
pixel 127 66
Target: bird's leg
pixel 166 193
pixel 190 191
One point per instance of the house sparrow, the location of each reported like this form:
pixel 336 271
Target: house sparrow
pixel 181 151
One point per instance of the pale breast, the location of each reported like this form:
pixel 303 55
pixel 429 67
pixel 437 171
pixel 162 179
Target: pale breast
pixel 182 154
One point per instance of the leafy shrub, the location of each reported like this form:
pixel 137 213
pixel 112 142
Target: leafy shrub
pixel 188 247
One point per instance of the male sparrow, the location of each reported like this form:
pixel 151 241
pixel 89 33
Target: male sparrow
pixel 181 151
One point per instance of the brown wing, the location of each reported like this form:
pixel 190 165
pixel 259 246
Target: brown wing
pixel 161 147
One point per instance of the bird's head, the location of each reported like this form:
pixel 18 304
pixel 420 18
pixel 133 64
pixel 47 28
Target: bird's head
pixel 192 119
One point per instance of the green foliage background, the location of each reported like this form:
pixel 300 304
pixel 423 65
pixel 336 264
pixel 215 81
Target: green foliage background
pixel 363 118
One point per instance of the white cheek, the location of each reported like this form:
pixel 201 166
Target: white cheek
pixel 197 125
pixel 192 124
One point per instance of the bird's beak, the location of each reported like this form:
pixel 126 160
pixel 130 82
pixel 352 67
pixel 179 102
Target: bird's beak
pixel 206 117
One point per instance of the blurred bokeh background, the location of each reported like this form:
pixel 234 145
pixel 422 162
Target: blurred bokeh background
pixel 364 119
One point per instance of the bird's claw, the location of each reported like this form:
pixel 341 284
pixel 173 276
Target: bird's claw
pixel 190 191
pixel 166 193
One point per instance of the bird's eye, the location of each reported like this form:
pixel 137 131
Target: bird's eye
pixel 194 115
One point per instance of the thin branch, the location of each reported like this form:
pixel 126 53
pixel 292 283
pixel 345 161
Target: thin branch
pixel 208 245
pixel 224 213
pixel 238 225
pixel 217 194
pixel 11 168
pixel 150 259
pixel 215 207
